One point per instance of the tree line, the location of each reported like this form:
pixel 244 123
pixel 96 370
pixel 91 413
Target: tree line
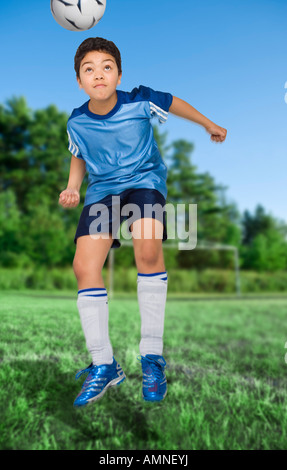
pixel 35 230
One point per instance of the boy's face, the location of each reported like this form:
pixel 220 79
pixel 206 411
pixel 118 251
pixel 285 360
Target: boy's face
pixel 99 75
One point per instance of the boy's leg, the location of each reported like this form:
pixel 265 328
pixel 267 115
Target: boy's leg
pixel 92 300
pixel 152 283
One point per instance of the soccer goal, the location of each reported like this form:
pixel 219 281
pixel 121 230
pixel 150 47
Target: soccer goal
pixel 204 245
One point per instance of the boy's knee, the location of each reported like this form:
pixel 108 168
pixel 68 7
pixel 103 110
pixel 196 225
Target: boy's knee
pixel 83 268
pixel 77 267
pixel 149 256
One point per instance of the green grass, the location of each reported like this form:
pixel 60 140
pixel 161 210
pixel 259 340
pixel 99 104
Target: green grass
pixel 226 377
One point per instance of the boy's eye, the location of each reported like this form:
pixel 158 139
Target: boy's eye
pixel 90 68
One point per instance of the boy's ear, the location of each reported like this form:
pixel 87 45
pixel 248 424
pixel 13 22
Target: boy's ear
pixel 119 79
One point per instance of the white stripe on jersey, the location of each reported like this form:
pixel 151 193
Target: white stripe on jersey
pixel 72 147
pixel 155 110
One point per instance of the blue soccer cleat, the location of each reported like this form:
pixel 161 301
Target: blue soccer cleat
pixel 154 380
pixel 100 378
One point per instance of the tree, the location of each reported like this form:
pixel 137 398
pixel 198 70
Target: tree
pixel 34 167
pixel 255 225
pixel 264 245
pixel 217 221
pixel 12 246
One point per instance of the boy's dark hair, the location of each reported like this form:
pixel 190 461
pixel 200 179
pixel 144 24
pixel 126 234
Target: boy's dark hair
pixel 97 44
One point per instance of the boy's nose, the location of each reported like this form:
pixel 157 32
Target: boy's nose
pixel 98 75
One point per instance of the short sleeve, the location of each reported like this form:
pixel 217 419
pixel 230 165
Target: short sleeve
pixel 73 147
pixel 159 102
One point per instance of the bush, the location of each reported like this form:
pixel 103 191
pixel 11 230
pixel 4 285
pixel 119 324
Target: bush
pixel 125 280
pixel 211 280
pixel 263 282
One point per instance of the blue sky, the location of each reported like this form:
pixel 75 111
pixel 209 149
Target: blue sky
pixel 226 58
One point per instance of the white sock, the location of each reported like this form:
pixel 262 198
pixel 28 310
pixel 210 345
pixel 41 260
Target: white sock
pixel 94 313
pixel 152 290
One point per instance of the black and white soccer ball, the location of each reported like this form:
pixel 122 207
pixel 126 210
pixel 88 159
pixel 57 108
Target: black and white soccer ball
pixel 78 15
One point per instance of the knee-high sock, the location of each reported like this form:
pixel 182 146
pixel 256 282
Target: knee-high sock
pixel 94 313
pixel 152 290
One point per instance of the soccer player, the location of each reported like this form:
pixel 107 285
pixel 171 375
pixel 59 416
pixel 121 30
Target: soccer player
pixel 111 137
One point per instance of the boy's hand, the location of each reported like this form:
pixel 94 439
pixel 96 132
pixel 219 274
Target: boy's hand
pixel 69 198
pixel 218 134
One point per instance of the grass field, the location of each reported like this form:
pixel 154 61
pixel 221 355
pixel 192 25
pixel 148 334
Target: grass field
pixel 227 377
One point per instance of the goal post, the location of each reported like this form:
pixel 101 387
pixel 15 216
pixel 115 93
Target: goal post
pixel 205 245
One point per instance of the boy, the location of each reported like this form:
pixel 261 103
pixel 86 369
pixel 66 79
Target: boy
pixel 111 137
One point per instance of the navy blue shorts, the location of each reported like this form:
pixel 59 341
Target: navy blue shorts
pixel 106 215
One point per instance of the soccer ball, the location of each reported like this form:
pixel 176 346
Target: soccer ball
pixel 78 15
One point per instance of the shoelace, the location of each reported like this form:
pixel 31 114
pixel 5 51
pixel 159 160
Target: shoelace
pixel 95 382
pixel 156 367
pixel 83 371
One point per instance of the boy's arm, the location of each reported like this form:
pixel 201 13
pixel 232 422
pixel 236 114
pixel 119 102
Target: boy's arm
pixel 77 173
pixel 70 197
pixel 183 109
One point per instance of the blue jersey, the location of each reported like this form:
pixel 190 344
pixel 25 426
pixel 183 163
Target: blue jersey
pixel 119 148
